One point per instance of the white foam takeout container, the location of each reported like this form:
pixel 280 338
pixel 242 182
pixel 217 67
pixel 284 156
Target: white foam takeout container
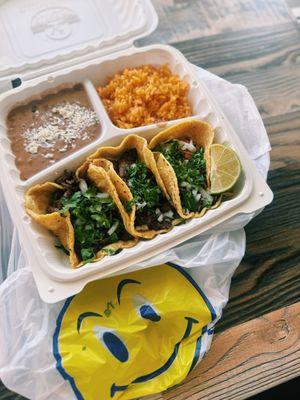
pixel 69 42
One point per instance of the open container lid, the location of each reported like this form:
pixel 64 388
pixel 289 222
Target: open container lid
pixel 40 36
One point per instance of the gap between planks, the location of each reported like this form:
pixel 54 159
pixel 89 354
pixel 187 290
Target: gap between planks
pixel 246 359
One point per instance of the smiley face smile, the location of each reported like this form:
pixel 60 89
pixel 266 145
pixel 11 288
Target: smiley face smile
pixel 163 368
pixel 148 341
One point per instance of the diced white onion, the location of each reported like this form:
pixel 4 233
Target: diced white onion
pixel 157 211
pixel 169 214
pixel 102 195
pixel 187 146
pixel 83 185
pixel 206 195
pixel 160 218
pixel 185 185
pixel 149 190
pixel 194 192
pixel 141 205
pixel 142 228
pixel 113 228
pixel 198 196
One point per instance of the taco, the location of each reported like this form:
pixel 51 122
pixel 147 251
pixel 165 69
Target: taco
pixel 183 161
pixel 81 210
pixel 132 169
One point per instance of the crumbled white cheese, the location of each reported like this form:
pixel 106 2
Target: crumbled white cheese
pixel 63 149
pixel 65 122
pixel 48 155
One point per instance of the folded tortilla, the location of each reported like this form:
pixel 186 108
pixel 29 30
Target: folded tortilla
pixel 38 199
pixel 104 157
pixel 202 135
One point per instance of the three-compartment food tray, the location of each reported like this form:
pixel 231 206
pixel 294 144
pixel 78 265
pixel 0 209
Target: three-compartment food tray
pixel 55 279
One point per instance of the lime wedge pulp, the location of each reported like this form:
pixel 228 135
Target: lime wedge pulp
pixel 225 168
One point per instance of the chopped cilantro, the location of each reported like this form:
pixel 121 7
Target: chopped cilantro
pixel 109 306
pixel 143 186
pixel 87 254
pixel 92 217
pixel 62 248
pixel 128 206
pixel 152 208
pixel 110 252
pixel 190 173
pixel 107 312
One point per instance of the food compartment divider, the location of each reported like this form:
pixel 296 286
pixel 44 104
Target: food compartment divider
pixel 55 278
pixel 111 134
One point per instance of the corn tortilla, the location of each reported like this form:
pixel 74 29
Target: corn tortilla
pixel 105 155
pixel 202 135
pixel 37 201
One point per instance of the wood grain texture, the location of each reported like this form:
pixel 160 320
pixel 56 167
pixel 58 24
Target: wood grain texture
pixel 188 19
pixel 255 43
pixel 269 275
pixel 8 395
pixel 275 90
pixel 267 61
pixel 234 52
pixel 246 359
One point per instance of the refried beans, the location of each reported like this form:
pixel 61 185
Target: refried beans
pixel 44 131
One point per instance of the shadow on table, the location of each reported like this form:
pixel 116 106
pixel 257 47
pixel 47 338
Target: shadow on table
pixel 290 390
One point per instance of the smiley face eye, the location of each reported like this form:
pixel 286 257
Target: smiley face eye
pixel 148 312
pixel 115 346
pixel 145 309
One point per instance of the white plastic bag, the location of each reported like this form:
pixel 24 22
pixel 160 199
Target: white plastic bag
pixel 27 363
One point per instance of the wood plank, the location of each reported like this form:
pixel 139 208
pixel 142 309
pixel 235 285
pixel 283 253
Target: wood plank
pixel 188 19
pixel 6 394
pixel 235 52
pixel 265 60
pixel 275 89
pixel 246 359
pixel 272 256
pixel 254 43
pixel 285 140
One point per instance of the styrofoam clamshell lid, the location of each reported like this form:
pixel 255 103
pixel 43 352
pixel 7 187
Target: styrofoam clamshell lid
pixel 38 36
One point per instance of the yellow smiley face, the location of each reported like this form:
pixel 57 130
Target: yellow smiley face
pixel 131 335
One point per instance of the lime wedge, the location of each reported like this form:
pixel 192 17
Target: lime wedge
pixel 225 168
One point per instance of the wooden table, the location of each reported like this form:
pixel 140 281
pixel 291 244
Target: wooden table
pixel 255 43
